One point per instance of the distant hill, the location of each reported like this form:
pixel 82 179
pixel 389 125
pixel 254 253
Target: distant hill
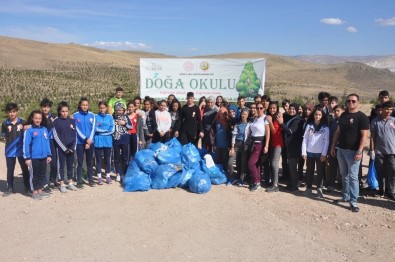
pixel 381 62
pixel 30 70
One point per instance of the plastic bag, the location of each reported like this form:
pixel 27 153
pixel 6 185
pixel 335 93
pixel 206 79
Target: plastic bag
pixel 174 145
pixel 199 183
pixel 162 174
pixel 168 156
pixel 217 175
pixel 146 161
pixel 372 176
pixel 190 156
pixel 186 174
pixel 174 180
pixel 135 179
pixel 156 147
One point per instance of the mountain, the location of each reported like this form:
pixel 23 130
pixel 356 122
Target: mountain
pixel 381 62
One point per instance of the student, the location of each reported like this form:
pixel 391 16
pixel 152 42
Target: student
pixel 163 122
pixel 12 131
pixel 252 113
pixel 383 97
pixel 293 137
pixel 118 98
pixel 349 140
pixel 219 101
pixel 65 136
pixel 191 127
pixel 37 154
pixel 276 143
pixel 170 99
pixel 85 122
pixel 239 150
pixel 121 142
pixel 104 129
pixel 259 137
pixel 241 102
pixel 323 98
pixel 175 118
pixel 315 149
pixel 137 131
pixel 208 118
pixel 382 144
pixel 150 121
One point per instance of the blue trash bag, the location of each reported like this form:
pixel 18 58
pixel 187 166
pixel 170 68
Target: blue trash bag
pixel 217 175
pixel 174 180
pixel 156 147
pixel 190 156
pixel 132 169
pixel 174 145
pixel 199 183
pixel 168 156
pixel 186 174
pixel 372 176
pixel 145 160
pixel 139 181
pixel 160 177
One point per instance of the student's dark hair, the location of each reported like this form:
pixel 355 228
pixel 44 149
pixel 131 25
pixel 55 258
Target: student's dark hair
pixel 130 103
pixel 46 102
pixel 357 96
pixel 276 104
pixel 333 98
pixel 323 121
pixel 203 98
pixel 296 106
pixel 384 93
pixel 61 105
pixel 82 99
pixel 323 95
pixel 175 101
pixel 257 96
pixel 102 102
pixel 190 94
pixel 285 101
pixel 240 97
pixel 174 97
pixel 162 101
pixel 339 106
pixel 11 106
pixel 118 89
pixel 31 116
pixel 137 98
pixel 266 98
pixel 387 104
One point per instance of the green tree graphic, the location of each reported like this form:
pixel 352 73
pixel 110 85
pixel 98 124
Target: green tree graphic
pixel 249 84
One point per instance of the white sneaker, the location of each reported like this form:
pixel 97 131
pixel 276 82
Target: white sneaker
pixel 118 179
pixel 63 189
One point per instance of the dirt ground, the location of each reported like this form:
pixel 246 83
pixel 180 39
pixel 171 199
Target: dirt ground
pixel 226 224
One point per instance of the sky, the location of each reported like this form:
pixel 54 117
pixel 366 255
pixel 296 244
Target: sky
pixel 205 27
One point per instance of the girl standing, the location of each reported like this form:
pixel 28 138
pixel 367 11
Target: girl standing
pixel 37 153
pixel 163 121
pixel 315 148
pixel 85 122
pixel 222 134
pixel 175 118
pixel 64 133
pixel 103 141
pixel 137 131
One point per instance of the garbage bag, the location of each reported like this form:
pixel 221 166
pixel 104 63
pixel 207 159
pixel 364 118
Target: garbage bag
pixel 174 180
pixel 186 174
pixel 217 175
pixel 156 147
pixel 139 181
pixel 190 156
pixel 372 176
pixel 199 183
pixel 160 177
pixel 146 161
pixel 174 145
pixel 168 156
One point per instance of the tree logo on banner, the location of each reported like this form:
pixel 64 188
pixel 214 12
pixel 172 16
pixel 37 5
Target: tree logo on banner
pixel 249 83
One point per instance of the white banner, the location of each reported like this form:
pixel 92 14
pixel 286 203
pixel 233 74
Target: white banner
pixel 229 78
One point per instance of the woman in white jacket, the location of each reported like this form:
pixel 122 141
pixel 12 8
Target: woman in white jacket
pixel 315 148
pixel 163 121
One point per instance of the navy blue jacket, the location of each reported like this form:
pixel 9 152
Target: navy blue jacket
pixel 65 134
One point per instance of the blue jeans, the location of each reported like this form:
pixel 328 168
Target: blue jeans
pixel 349 169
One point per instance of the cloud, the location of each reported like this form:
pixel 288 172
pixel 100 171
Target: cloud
pixel 332 21
pixel 118 45
pixel 44 33
pixel 194 49
pixel 352 29
pixel 386 22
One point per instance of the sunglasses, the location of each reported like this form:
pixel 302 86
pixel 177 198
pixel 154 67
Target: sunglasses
pixel 351 101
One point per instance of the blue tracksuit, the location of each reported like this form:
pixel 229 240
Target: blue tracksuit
pixel 36 143
pixel 105 127
pixel 85 123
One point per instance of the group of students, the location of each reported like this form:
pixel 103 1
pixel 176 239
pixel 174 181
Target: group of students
pixel 246 140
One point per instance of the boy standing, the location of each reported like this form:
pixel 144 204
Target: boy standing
pixel 12 131
pixel 115 100
pixel 191 122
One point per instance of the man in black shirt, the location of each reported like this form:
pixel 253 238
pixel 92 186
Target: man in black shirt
pixel 191 126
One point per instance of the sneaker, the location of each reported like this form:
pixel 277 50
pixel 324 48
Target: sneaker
pixel 272 189
pixel 92 184
pixel 108 180
pixel 72 187
pixel 37 196
pixel 308 192
pixel 47 189
pixel 44 194
pixel 80 185
pixel 255 187
pixel 8 192
pixel 52 185
pixel 118 179
pixel 330 189
pixel 63 189
pixel 319 193
pixel 240 183
pixel 354 208
pixel 100 181
pixel 231 181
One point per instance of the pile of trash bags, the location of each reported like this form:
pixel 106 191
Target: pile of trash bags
pixel 171 165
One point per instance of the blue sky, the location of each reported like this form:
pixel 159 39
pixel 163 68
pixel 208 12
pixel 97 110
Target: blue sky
pixel 189 28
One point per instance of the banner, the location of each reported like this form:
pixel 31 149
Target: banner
pixel 229 78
